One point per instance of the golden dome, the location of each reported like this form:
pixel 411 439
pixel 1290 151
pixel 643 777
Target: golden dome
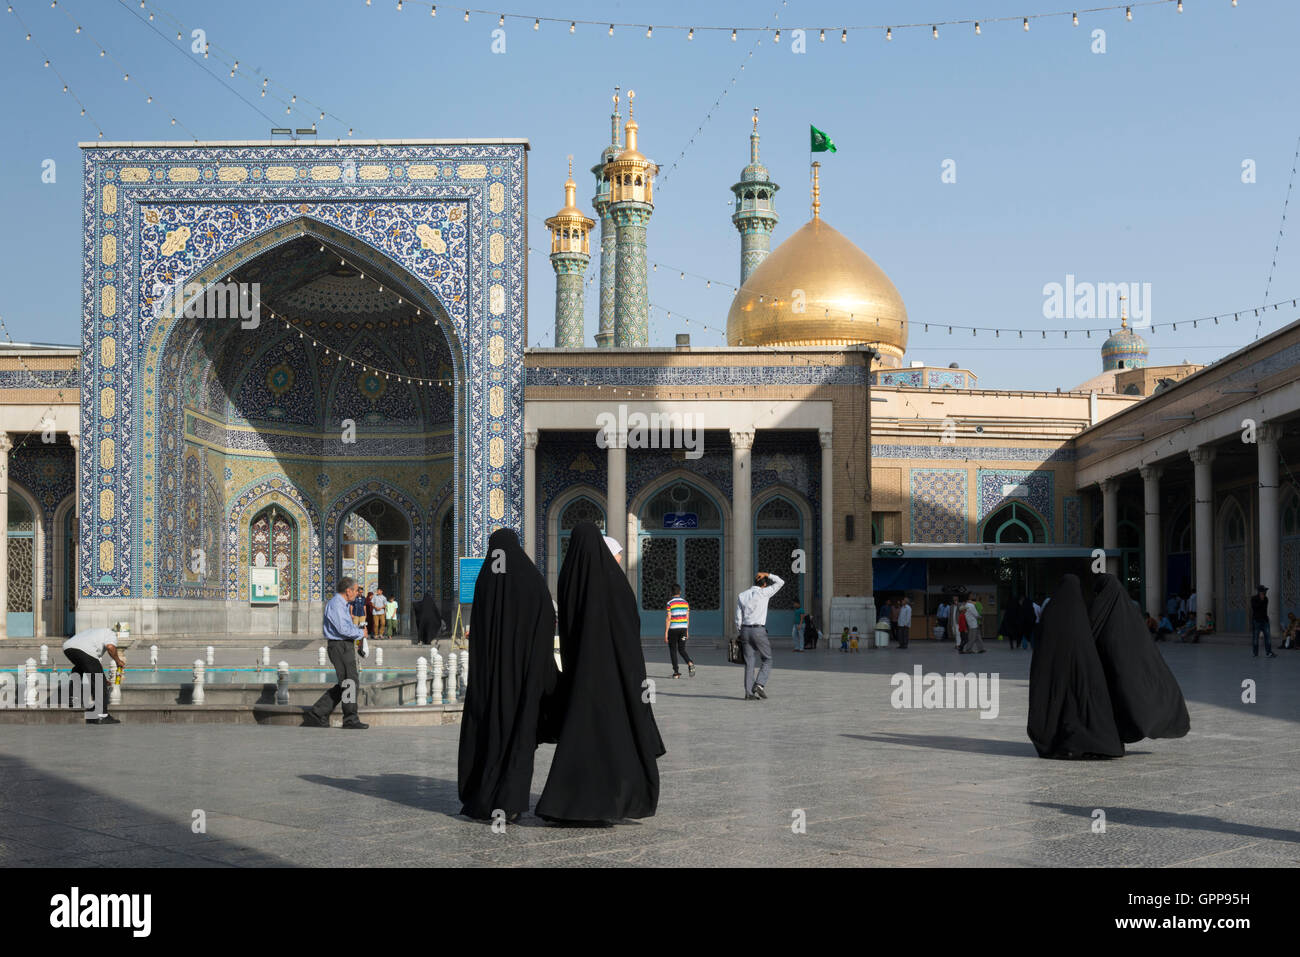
pixel 818 289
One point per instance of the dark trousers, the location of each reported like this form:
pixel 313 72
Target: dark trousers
pixel 1258 628
pixel 343 655
pixel 93 693
pixel 902 634
pixel 677 646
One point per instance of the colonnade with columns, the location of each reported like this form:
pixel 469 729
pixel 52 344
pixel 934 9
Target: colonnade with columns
pixel 800 415
pixel 1202 458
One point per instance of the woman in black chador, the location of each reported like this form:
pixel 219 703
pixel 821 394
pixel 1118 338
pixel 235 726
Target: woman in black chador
pixel 512 669
pixel 605 766
pixel 1070 712
pixel 428 620
pixel 1143 691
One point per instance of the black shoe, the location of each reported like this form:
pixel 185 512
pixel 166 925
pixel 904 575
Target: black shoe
pixel 1269 655
pixel 758 690
pixel 677 674
pixel 751 697
pixel 690 667
pixel 108 719
pixel 312 720
pixel 355 726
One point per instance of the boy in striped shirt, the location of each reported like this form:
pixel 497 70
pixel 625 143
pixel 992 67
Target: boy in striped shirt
pixel 676 628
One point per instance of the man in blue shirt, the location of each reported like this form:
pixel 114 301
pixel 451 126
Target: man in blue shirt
pixel 340 632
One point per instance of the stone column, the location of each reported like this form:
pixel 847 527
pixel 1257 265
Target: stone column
pixel 1110 521
pixel 828 530
pixel 616 490
pixel 6 443
pixel 530 493
pixel 742 521
pixel 1203 531
pixel 1269 570
pixel 1155 601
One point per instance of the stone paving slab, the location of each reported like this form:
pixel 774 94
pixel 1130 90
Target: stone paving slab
pixel 878 786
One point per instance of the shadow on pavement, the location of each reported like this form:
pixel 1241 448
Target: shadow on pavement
pixel 1172 819
pixel 49 820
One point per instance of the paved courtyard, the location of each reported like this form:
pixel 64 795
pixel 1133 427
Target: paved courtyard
pixel 877 786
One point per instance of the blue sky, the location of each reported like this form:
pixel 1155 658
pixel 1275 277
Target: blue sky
pixel 1117 167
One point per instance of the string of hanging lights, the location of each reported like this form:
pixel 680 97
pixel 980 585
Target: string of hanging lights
pixel 104 52
pixel 268 87
pixel 49 64
pixel 1018 332
pixel 689 30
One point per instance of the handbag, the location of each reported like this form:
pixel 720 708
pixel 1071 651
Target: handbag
pixel 735 655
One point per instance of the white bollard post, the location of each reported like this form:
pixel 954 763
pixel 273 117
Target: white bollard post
pixel 282 683
pixel 437 677
pixel 421 681
pixel 266 656
pixel 32 689
pixel 198 682
pixel 320 656
pixel 452 673
pixel 114 689
pixel 212 654
pixel 464 673
pixel 379 657
pixel 45 654
pixel 153 657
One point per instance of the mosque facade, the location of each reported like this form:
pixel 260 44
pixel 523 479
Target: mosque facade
pixel 379 414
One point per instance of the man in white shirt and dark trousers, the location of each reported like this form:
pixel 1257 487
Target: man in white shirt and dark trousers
pixel 751 625
pixel 904 622
pixel 340 633
pixel 84 650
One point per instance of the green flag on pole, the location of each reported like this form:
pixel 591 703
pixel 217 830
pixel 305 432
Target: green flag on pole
pixel 819 142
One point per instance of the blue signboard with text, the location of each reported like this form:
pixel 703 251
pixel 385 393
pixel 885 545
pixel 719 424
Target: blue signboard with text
pixel 681 520
pixel 469 569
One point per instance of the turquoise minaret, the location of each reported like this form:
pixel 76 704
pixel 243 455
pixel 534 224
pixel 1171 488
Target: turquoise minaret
pixel 755 216
pixel 608 239
pixel 570 254
pixel 631 204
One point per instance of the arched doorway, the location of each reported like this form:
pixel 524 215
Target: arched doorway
pixel 273 543
pixel 1233 580
pixel 375 549
pixel 778 532
pixel 347 375
pixel 1015 524
pixel 681 540
pixel 20 619
pixel 580 509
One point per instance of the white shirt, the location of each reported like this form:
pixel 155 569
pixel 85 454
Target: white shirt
pixel 1191 604
pixel 378 603
pixel 905 616
pixel 1038 612
pixel 751 604
pixel 92 641
pixel 972 616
